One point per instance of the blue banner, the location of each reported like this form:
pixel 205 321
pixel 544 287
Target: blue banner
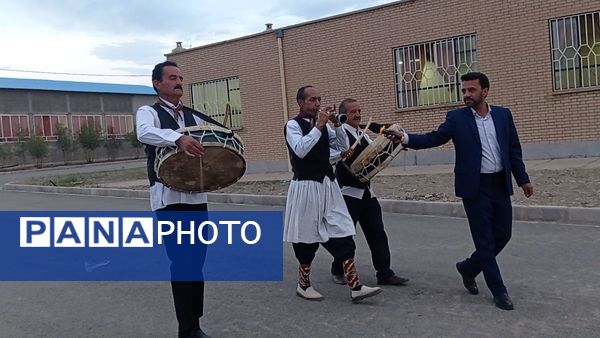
pixel 141 246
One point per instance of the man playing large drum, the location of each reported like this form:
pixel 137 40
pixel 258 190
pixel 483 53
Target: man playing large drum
pixel 315 211
pixel 362 203
pixel 156 127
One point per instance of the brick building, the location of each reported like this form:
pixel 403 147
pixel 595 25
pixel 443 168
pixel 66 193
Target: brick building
pixel 403 61
pixel 30 107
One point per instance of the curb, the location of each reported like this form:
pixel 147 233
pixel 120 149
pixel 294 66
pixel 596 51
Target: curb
pixel 566 215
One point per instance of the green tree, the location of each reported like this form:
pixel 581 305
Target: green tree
pixel 38 149
pixel 90 138
pixel 134 142
pixel 21 147
pixel 65 141
pixel 112 145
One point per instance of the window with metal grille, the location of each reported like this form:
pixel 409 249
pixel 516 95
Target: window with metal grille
pixel 89 121
pixel 216 97
pixel 575 43
pixel 46 126
pixel 429 73
pixel 13 127
pixel 119 125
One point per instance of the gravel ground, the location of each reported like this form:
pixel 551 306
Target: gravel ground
pixel 570 187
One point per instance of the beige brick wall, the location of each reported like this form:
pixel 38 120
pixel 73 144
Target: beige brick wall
pixel 351 55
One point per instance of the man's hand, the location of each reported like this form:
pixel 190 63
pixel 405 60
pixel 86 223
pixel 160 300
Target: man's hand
pixel 190 146
pixel 324 115
pixel 394 136
pixel 347 154
pixel 527 189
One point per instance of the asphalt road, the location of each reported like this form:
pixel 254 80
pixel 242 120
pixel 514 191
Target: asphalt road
pixel 552 272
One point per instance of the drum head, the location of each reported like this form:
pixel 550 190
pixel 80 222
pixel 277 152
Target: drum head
pixel 218 168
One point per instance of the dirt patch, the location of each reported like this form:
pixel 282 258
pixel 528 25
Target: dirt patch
pixel 566 187
pixel 569 187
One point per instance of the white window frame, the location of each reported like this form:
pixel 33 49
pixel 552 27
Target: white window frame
pixel 128 124
pixel 62 118
pixel 12 137
pixel 575 49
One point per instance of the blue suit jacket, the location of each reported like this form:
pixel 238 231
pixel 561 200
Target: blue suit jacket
pixel 461 128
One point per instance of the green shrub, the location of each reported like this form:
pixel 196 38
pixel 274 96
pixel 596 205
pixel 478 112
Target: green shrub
pixel 90 138
pixel 65 141
pixel 112 145
pixel 38 149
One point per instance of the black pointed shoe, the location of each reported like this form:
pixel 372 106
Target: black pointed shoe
pixel 338 279
pixel 468 282
pixel 503 302
pixel 393 280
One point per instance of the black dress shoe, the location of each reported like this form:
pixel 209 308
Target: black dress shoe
pixel 338 279
pixel 503 301
pixel 393 280
pixel 468 282
pixel 198 333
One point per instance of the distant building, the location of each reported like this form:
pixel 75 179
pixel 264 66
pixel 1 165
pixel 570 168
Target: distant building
pixel 403 61
pixel 30 107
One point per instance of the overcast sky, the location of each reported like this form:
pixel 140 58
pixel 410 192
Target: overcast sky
pixel 130 36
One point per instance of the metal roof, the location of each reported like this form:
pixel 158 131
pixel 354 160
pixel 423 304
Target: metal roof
pixel 72 86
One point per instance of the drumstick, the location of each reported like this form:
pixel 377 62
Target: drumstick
pixel 227 114
pixel 362 135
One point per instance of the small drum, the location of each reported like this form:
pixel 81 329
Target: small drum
pixel 375 157
pixel 222 165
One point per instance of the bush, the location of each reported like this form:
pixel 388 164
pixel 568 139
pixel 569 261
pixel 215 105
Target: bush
pixel 65 141
pixel 112 145
pixel 135 143
pixel 90 138
pixel 38 149
pixel 4 154
pixel 21 147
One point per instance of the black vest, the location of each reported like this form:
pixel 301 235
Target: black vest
pixel 166 122
pixel 315 165
pixel 344 176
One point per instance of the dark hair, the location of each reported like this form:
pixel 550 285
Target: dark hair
pixel 157 72
pixel 483 79
pixel 300 93
pixel 342 108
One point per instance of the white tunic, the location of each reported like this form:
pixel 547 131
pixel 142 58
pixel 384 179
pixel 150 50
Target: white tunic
pixel 316 211
pixel 149 132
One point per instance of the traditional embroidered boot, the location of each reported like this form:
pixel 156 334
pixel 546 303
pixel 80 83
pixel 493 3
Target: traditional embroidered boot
pixel 304 289
pixel 358 291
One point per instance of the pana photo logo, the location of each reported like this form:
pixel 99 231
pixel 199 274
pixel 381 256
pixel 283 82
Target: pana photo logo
pixel 129 231
pixel 141 245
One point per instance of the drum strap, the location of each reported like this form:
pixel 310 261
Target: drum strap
pixel 204 117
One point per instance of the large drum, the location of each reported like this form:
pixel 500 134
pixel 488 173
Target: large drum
pixel 222 165
pixel 375 157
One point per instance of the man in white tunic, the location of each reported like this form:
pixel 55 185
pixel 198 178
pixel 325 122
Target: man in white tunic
pixel 315 210
pixel 156 127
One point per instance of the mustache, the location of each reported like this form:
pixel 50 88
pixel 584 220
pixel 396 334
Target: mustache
pixel 178 87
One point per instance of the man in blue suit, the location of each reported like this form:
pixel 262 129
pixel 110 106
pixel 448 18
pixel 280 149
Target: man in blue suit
pixel 487 151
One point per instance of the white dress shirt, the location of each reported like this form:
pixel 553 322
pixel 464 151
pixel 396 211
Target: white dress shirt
pixel 491 162
pixel 149 132
pixel 302 144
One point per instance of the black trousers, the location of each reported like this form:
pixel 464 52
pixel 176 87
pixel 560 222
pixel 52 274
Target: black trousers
pixel 188 296
pixel 342 249
pixel 367 212
pixel 490 220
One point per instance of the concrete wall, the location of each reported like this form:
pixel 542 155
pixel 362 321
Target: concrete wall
pixel 67 103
